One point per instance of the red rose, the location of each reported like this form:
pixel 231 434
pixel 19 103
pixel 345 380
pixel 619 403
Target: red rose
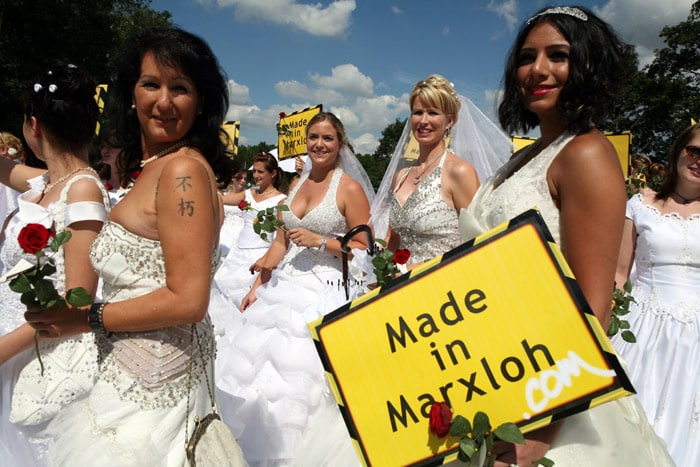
pixel 440 419
pixel 33 238
pixel 401 256
pixel 135 174
pixel 282 114
pixel 243 205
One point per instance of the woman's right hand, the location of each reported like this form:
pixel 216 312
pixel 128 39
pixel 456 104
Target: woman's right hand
pixel 248 300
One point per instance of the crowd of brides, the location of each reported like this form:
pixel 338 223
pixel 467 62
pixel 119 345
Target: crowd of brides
pixel 192 308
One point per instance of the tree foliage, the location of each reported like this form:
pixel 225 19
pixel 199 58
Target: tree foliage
pixel 87 33
pixel 659 101
pixel 390 137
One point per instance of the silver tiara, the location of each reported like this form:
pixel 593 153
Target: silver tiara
pixel 562 10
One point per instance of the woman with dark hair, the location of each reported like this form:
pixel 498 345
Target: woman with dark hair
pixel 289 413
pixel 660 240
pixel 156 256
pixel 59 121
pixel 563 68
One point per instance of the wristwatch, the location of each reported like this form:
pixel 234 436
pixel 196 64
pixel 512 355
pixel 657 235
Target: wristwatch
pixel 323 244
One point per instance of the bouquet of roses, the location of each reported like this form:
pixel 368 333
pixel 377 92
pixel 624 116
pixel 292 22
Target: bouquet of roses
pixel 476 437
pixel 32 280
pixel 387 263
pixel 266 222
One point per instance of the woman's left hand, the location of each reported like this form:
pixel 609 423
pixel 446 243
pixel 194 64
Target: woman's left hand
pixel 57 321
pixel 303 238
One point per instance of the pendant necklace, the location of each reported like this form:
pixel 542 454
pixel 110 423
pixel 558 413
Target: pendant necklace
pixel 168 150
pixel 50 186
pixel 686 201
pixel 417 178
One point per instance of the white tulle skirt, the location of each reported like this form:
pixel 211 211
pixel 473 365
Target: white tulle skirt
pixel 289 415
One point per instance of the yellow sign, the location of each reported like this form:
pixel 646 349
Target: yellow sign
pixel 497 325
pixel 233 130
pixel 621 141
pixel 291 136
pixel 100 94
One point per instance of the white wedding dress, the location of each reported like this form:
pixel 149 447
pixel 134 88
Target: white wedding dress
pixel 26 397
pixel 664 363
pixel 290 415
pixel 613 434
pixel 141 410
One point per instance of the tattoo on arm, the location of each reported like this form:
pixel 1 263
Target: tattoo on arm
pixel 183 182
pixel 186 208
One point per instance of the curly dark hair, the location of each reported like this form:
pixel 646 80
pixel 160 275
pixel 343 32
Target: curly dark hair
pixel 63 99
pixel 180 49
pixel 596 66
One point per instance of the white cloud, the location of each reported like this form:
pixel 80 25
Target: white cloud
pixel 332 21
pixel 506 10
pixel 366 143
pixel 295 90
pixel 639 22
pixel 445 31
pixel 396 10
pixel 238 93
pixel 348 78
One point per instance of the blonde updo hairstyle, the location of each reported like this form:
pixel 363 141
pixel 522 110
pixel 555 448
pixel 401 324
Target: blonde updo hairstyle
pixel 437 92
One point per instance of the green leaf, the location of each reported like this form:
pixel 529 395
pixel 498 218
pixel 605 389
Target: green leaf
pixel 47 269
pixel 545 462
pixel 467 446
pixel 481 425
pixel 624 324
pixel 45 291
pixel 380 242
pixel 20 284
pixel 628 336
pixel 614 325
pixel 61 238
pixel 460 426
pixel 283 207
pixel 627 287
pixel 509 432
pixel 29 300
pixel 78 296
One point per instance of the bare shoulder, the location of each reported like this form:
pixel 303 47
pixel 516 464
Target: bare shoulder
pixel 586 148
pixel 187 168
pixel 85 189
pixel 350 186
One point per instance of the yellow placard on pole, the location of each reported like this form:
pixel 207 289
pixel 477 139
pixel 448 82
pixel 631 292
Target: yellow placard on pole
pixel 100 95
pixel 233 130
pixel 291 138
pixel 621 141
pixel 497 325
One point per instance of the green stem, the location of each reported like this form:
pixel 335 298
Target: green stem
pixel 38 354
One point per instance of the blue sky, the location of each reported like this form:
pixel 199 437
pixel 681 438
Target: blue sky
pixel 361 58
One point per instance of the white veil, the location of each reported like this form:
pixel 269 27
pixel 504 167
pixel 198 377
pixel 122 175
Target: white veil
pixel 475 139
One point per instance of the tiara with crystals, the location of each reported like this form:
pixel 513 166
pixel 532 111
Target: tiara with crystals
pixel 562 10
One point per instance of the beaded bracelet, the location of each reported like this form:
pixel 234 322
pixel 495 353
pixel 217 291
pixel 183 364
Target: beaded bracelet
pixel 95 317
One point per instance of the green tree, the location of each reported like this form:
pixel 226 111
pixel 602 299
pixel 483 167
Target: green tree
pixel 660 100
pixel 88 33
pixel 390 137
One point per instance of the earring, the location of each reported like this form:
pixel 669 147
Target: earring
pixel 133 106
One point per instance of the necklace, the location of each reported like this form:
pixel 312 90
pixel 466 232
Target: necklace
pixel 50 186
pixel 686 201
pixel 417 178
pixel 168 150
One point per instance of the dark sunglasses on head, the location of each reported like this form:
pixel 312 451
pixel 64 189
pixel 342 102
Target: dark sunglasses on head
pixel 693 151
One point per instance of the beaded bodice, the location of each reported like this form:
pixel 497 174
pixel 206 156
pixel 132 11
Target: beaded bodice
pixel 525 189
pixel 427 226
pixel 324 219
pixel 149 367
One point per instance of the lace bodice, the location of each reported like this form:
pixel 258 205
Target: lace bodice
pixel 149 368
pixel 427 226
pixel 248 237
pixel 324 219
pixel 57 215
pixel 666 276
pixel 525 189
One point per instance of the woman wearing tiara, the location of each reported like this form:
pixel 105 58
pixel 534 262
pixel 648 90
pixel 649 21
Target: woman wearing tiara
pixel 561 75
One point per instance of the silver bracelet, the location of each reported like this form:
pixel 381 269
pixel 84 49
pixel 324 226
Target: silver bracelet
pixel 323 244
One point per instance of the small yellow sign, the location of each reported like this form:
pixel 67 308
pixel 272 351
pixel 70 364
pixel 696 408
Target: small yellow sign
pixel 497 325
pixel 291 136
pixel 233 130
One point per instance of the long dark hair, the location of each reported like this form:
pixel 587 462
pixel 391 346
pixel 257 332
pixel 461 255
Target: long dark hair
pixel 178 49
pixel 63 99
pixel 271 165
pixel 668 185
pixel 596 65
